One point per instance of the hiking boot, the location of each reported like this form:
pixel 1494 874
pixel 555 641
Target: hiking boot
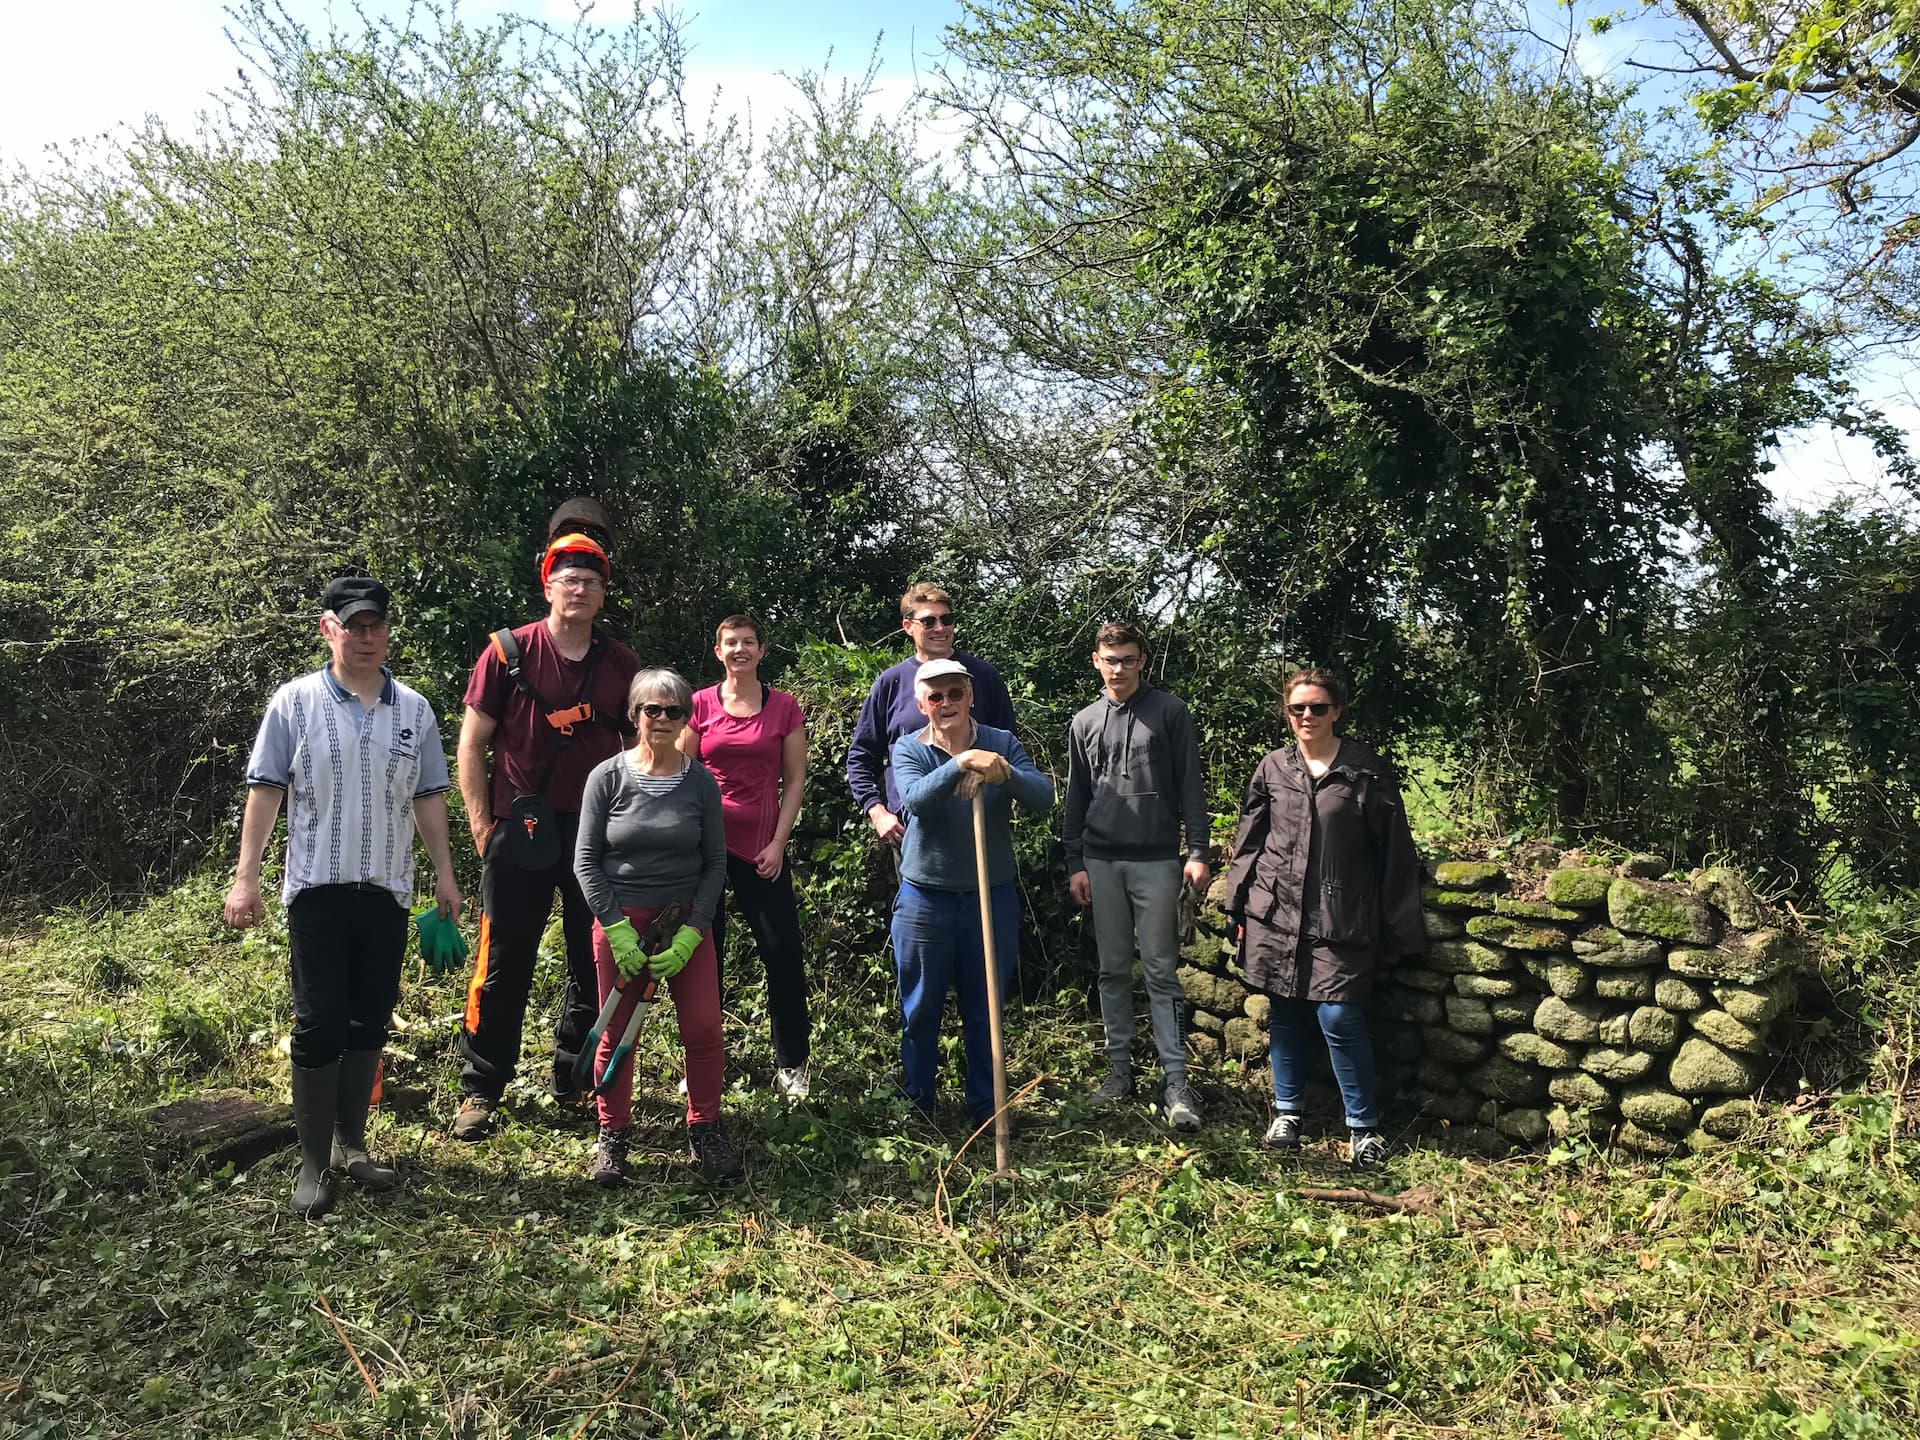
pixel 792 1083
pixel 475 1118
pixel 1116 1087
pixel 1369 1148
pixel 316 1100
pixel 1183 1107
pixel 358 1068
pixel 610 1155
pixel 1283 1133
pixel 712 1151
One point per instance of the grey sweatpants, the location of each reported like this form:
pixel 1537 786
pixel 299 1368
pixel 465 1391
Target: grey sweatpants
pixel 1136 903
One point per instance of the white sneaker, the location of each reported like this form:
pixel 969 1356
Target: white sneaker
pixel 792 1084
pixel 683 1085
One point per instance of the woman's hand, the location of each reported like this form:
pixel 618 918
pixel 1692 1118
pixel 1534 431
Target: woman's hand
pixel 770 861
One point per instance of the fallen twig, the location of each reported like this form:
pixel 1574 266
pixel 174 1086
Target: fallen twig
pixel 632 1370
pixel 334 1320
pixel 1414 1202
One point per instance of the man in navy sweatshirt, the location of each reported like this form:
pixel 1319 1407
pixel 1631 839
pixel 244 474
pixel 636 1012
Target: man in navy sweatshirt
pixel 890 711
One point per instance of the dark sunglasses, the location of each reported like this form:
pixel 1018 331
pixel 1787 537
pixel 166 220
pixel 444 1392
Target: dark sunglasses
pixel 1317 707
pixel 662 712
pixel 934 622
pixel 941 697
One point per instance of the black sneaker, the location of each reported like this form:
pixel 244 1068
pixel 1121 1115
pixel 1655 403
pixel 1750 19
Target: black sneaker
pixel 610 1156
pixel 1369 1149
pixel 1116 1087
pixel 475 1118
pixel 712 1151
pixel 1283 1133
pixel 1183 1107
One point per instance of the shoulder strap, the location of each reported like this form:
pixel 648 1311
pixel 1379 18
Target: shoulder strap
pixel 507 647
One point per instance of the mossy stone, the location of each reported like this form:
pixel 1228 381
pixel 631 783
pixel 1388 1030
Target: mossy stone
pixel 1203 1047
pixel 1728 1033
pixel 1415 1007
pixel 1208 952
pixel 1624 984
pixel 1729 1120
pixel 1206 1020
pixel 1257 1008
pixel 1730 894
pixel 1756 1004
pixel 1467 957
pixel 1744 959
pixel 1418 977
pixel 1457 1106
pixel 1703 1068
pixel 1614 1030
pixel 1576 1087
pixel 1611 1062
pixel 1533 910
pixel 1499 1078
pixel 1468 1015
pixel 1466 874
pixel 1435 898
pixel 1574 1020
pixel 1499 930
pixel 1211 992
pixel 1437 1075
pixel 1643 865
pixel 1578 889
pixel 1631 953
pixel 1596 937
pixel 1441 927
pixel 1668 912
pixel 1526 1125
pixel 1657 1109
pixel 1244 1039
pixel 1577 1122
pixel 1673 992
pixel 1642 1141
pixel 1452 1046
pixel 1487 987
pixel 1652 1028
pixel 1531 1049
pixel 1513 1009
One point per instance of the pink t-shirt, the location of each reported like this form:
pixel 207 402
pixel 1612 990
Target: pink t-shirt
pixel 744 756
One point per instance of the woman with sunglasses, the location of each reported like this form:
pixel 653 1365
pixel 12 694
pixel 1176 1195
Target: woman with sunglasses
pixel 1323 881
pixel 754 740
pixel 651 832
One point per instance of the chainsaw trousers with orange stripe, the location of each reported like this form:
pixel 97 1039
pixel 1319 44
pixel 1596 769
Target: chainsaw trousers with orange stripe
pixel 515 905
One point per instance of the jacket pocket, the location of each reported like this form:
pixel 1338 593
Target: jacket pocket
pixel 1348 915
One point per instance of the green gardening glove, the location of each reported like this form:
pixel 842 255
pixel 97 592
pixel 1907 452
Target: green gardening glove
pixel 440 943
pixel 628 958
pixel 672 960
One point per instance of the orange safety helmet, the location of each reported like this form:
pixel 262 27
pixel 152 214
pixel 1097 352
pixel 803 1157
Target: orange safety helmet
pixel 576 544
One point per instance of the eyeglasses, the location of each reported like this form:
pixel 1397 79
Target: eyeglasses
pixel 579 582
pixel 661 712
pixel 945 697
pixel 365 627
pixel 934 622
pixel 1121 662
pixel 1316 707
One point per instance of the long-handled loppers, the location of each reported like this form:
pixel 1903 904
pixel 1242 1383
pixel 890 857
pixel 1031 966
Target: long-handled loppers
pixel 652 939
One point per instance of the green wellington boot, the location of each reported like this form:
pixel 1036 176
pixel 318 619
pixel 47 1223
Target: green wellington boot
pixel 316 1098
pixel 357 1069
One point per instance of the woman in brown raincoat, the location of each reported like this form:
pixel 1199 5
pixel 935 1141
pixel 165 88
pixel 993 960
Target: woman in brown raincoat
pixel 1323 882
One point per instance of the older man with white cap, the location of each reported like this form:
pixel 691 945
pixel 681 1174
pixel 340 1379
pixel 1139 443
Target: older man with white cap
pixel 937 942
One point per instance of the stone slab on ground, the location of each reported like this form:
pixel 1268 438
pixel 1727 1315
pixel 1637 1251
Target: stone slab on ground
pixel 221 1127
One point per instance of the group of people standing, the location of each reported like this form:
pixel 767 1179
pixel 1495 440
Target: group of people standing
pixel 631 795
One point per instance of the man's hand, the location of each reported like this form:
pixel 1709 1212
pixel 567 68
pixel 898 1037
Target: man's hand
pixel 887 825
pixel 482 828
pixel 989 765
pixel 968 785
pixel 1080 888
pixel 244 907
pixel 770 861
pixel 446 892
pixel 1194 874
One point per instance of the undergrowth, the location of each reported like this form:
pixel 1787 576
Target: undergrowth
pixel 868 1277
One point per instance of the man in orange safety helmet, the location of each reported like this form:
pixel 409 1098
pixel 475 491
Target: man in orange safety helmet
pixel 545 704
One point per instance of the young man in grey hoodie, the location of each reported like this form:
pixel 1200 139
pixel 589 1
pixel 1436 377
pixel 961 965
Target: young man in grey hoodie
pixel 1136 829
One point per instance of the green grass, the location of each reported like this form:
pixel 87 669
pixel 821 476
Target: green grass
pixel 867 1280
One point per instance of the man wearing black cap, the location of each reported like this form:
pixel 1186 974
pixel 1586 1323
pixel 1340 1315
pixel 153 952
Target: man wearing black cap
pixel 359 758
pixel 545 704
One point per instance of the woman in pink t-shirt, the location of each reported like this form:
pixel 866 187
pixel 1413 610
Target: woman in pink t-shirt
pixel 754 740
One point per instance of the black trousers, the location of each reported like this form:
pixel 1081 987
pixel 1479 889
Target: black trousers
pixel 773 919
pixel 514 905
pixel 347 943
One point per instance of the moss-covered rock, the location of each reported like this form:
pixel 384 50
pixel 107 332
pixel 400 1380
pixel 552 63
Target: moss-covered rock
pixel 1756 1004
pixel 1452 1046
pixel 1433 897
pixel 1642 1141
pixel 1208 1021
pixel 1578 1123
pixel 1456 1106
pixel 1577 1021
pixel 1632 953
pixel 1564 977
pixel 1487 987
pixel 1513 1009
pixel 1744 959
pixel 1467 957
pixel 1441 927
pixel 1728 1033
pixel 1578 889
pixel 1624 985
pixel 1703 1068
pixel 1611 1062
pixel 1212 992
pixel 1597 937
pixel 1523 1124
pixel 1437 1075
pixel 1243 1039
pixel 1668 912
pixel 1652 1028
pixel 1209 952
pixel 1468 1015
pixel 1514 935
pixel 1257 1008
pixel 1730 1119
pixel 1506 1080
pixel 1643 865
pixel 1576 1087
pixel 1418 977
pixel 1531 1049
pixel 1203 1047
pixel 1657 1109
pixel 1680 995
pixel 1533 910
pixel 1615 1030
pixel 1728 893
pixel 1415 1007
pixel 1466 874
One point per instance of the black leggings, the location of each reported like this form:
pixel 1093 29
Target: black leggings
pixel 773 919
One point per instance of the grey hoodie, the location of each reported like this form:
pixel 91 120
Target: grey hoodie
pixel 1133 782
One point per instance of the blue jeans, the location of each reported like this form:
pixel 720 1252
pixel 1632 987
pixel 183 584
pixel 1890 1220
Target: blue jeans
pixel 1349 1047
pixel 936 948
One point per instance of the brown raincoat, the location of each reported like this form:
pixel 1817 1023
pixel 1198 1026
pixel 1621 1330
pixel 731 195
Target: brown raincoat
pixel 1365 876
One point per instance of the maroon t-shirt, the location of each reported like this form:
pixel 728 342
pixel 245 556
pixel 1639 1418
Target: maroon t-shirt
pixel 523 741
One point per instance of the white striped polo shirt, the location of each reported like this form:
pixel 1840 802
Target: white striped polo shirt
pixel 351 777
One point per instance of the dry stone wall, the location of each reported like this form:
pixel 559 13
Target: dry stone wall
pixel 1556 997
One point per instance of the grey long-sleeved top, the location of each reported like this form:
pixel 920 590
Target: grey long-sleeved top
pixel 639 850
pixel 1134 782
